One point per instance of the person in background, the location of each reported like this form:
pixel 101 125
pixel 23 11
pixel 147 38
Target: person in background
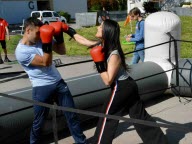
pixel 34 53
pixel 138 37
pixel 109 59
pixel 3 32
pixel 103 15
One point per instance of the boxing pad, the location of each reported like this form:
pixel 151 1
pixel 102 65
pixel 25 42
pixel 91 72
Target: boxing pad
pixel 99 58
pixel 58 34
pixel 46 35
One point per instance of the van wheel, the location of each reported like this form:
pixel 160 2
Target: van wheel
pixel 46 23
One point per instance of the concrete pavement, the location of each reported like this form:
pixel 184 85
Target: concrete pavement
pixel 164 109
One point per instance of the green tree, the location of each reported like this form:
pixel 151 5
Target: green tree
pixel 122 4
pixel 109 4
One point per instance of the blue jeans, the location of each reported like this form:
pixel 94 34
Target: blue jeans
pixel 44 94
pixel 139 55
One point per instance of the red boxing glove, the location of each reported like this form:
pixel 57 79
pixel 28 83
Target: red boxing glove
pixel 46 35
pixel 97 54
pixel 58 34
pixel 65 27
pixel 99 58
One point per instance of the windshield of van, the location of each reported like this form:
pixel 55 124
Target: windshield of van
pixel 36 14
pixel 56 14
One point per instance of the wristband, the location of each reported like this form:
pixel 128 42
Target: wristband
pixel 71 32
pixel 101 66
pixel 59 38
pixel 47 47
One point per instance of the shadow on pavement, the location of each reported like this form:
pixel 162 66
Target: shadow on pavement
pixel 5 67
pixel 47 139
pixel 174 136
pixel 12 77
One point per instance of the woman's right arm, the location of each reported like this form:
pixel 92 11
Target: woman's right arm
pixel 82 40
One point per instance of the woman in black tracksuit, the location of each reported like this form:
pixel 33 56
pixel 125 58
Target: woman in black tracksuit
pixel 124 91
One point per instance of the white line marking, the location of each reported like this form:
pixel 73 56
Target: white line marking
pixel 82 77
pixel 19 92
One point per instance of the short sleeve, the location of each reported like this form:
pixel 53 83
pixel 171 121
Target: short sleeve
pixel 115 52
pixel 24 57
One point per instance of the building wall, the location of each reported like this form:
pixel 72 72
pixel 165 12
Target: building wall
pixel 70 6
pixel 15 11
pixel 135 3
pixel 182 11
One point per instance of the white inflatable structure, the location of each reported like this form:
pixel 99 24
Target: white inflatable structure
pixel 165 27
pixel 159 27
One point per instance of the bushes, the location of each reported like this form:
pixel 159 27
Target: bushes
pixel 151 7
pixel 185 3
pixel 110 5
pixel 96 7
pixel 65 14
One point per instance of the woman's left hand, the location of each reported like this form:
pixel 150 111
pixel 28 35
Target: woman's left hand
pixel 128 39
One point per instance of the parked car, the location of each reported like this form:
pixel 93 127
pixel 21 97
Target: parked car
pixel 48 16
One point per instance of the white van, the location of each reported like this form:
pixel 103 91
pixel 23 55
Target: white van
pixel 48 16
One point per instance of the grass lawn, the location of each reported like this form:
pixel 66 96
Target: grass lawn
pixel 75 49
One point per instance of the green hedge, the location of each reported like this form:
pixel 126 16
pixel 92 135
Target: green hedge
pixel 151 7
pixel 65 14
pixel 185 3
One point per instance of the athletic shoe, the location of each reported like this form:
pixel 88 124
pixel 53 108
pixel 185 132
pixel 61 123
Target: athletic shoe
pixel 7 60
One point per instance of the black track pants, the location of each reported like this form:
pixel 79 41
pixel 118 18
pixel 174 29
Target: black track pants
pixel 125 97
